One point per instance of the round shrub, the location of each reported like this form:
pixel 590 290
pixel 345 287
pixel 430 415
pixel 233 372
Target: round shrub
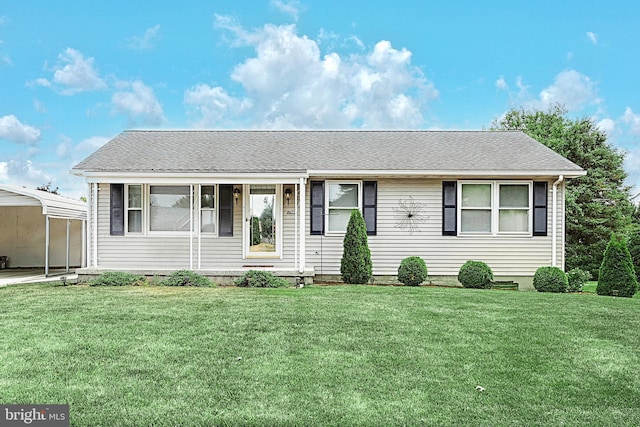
pixel 576 278
pixel 550 279
pixel 260 279
pixel 475 274
pixel 185 278
pixel 412 271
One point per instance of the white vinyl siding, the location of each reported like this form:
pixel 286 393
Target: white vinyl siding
pixel 512 255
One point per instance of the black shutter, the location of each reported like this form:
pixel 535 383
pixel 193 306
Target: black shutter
pixel 225 210
pixel 116 192
pixel 317 207
pixel 369 205
pixel 540 208
pixel 449 208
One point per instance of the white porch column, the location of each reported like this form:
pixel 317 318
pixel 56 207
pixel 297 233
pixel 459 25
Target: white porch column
pixel 83 250
pixel 303 251
pixel 94 243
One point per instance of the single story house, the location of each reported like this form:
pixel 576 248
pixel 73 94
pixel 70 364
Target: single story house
pixel 221 202
pixel 40 229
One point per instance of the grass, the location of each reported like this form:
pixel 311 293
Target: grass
pixel 340 355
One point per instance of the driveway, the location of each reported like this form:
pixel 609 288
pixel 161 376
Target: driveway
pixel 32 275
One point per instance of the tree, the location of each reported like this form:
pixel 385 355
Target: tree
pixel 598 203
pixel 47 187
pixel 617 275
pixel 355 265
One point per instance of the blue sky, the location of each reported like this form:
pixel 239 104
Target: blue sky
pixel 75 74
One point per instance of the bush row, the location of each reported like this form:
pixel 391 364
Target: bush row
pixel 251 279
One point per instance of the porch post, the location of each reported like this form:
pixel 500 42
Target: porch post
pixel 83 250
pixel 94 203
pixel 46 246
pixel 303 251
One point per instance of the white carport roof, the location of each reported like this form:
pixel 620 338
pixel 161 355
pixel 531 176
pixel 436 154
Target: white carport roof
pixel 53 205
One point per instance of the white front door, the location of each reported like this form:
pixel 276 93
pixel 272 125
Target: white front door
pixel 262 221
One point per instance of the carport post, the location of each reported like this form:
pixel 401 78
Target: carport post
pixel 46 247
pixel 68 239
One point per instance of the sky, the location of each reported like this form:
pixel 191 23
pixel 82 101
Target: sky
pixel 75 74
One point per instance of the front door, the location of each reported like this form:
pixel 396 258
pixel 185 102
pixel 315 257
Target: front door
pixel 262 221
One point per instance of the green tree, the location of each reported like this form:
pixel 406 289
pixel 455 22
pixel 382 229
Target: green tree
pixel 597 203
pixel 617 275
pixel 355 265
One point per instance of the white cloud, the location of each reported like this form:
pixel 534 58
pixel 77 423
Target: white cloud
pixel 570 88
pixel 290 84
pixel 26 173
pixel 93 143
pixel 138 102
pixel 291 7
pixel 39 106
pixel 501 83
pixel 74 74
pixel 633 120
pixel 65 147
pixel 593 37
pixel 147 40
pixel 4 172
pixel 607 126
pixel 12 129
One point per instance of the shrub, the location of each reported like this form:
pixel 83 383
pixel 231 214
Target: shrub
pixel 617 275
pixel 412 271
pixel 260 279
pixel 118 278
pixel 576 278
pixel 475 274
pixel 550 279
pixel 185 278
pixel 634 250
pixel 355 265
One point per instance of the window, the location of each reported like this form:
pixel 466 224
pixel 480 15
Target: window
pixel 134 208
pixel 207 209
pixel 495 208
pixel 342 198
pixel 169 208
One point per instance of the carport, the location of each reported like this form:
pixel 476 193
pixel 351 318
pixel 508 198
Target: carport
pixel 41 229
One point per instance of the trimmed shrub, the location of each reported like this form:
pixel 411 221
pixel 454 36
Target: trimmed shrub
pixel 475 274
pixel 355 265
pixel 617 275
pixel 118 278
pixel 550 279
pixel 260 279
pixel 185 278
pixel 576 278
pixel 634 250
pixel 412 271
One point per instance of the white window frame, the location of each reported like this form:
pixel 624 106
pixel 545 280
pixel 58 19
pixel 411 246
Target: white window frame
pixel 327 208
pixel 214 210
pixel 142 210
pixel 151 232
pixel 495 208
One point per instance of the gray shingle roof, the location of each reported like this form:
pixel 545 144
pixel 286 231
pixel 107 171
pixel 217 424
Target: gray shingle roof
pixel 248 151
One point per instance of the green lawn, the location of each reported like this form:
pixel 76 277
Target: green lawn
pixel 338 355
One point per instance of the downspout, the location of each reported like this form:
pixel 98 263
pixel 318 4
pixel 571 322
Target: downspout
pixel 554 222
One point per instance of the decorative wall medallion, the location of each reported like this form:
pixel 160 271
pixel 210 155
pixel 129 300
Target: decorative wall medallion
pixel 409 214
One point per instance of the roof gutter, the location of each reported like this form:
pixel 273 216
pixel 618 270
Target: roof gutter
pixel 554 221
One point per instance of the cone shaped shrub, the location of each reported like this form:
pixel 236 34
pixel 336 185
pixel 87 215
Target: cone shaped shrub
pixel 617 275
pixel 475 274
pixel 550 279
pixel 355 265
pixel 412 271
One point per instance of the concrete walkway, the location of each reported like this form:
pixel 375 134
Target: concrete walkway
pixel 13 276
